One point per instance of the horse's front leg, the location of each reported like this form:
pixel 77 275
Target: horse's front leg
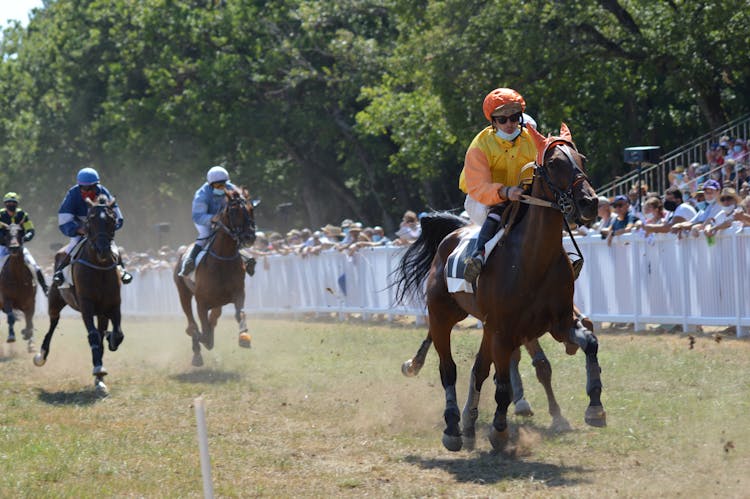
pixel 523 408
pixel 479 373
pixel 245 340
pixel 207 330
pixel 94 338
pixel 440 333
pixel 544 375
pixel 8 309
pixel 114 338
pixel 501 353
pixel 595 414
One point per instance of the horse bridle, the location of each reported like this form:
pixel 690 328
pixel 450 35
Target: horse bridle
pixel 247 220
pixel 564 201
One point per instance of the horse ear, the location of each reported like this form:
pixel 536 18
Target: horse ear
pixel 90 202
pixel 540 141
pixel 255 202
pixel 565 132
pixel 112 202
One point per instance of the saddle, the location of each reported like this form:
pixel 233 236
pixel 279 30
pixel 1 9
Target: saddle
pixel 454 266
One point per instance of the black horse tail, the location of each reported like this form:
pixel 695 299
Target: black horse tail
pixel 415 264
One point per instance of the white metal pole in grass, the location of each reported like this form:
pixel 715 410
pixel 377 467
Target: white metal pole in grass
pixel 200 416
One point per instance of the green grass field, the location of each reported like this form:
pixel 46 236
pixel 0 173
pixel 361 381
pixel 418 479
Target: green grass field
pixel 320 409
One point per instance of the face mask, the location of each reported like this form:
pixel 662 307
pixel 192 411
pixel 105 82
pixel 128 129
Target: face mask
pixel 219 192
pixel 376 238
pixel 508 136
pixel 737 148
pixel 701 205
pixel 88 195
pixel 728 209
pixel 670 205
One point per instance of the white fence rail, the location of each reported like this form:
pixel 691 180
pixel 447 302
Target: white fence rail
pixel 662 279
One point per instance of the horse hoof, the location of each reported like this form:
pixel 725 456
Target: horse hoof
pixel 11 338
pixel 499 439
pixel 197 360
pixel 596 416
pixel 408 369
pixel 452 443
pixel 39 359
pixel 469 442
pixel 523 408
pixel 27 334
pixel 560 424
pixel 100 371
pixel 114 339
pixel 31 348
pixel 245 339
pixel 100 388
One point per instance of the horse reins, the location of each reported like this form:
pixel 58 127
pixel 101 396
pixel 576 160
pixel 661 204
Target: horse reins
pixel 563 200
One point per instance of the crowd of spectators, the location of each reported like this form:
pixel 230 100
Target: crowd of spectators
pixel 701 201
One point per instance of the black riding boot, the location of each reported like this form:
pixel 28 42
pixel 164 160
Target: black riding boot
pixel 42 283
pixel 188 264
pixel 489 228
pixel 58 278
pixel 126 277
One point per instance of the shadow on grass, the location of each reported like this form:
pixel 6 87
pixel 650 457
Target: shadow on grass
pixel 208 376
pixel 77 397
pixel 492 468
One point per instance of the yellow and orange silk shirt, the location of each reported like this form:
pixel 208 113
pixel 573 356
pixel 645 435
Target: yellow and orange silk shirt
pixel 492 163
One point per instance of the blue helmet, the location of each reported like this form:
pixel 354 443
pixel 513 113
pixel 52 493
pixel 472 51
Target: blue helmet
pixel 87 176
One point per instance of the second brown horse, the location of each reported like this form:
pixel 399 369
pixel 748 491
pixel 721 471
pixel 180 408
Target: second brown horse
pixel 220 278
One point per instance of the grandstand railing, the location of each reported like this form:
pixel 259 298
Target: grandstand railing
pixel 656 177
pixel 656 280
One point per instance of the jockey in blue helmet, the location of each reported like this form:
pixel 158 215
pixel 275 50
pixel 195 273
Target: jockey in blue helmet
pixel 72 215
pixel 208 201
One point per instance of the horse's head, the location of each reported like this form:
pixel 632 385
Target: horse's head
pixel 562 168
pixel 100 225
pixel 12 237
pixel 237 217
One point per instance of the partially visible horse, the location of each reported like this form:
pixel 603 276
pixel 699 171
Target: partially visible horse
pixel 220 276
pixel 17 284
pixel 525 289
pixel 94 291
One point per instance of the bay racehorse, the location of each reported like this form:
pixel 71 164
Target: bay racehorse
pixel 17 284
pixel 525 289
pixel 220 277
pixel 94 290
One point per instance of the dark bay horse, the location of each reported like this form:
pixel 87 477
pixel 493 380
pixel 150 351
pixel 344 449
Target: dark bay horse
pixel 17 284
pixel 220 277
pixel 95 289
pixel 525 290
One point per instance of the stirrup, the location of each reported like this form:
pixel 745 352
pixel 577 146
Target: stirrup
pixel 126 277
pixel 58 278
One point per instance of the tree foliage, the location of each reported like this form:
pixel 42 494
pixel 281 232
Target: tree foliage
pixel 355 108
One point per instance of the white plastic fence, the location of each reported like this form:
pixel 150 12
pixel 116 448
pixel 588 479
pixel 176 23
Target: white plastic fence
pixel 660 279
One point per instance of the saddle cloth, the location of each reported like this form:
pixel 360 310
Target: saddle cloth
pixel 68 270
pixel 198 259
pixel 454 267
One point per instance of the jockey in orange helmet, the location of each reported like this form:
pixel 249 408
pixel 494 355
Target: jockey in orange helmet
pixel 492 168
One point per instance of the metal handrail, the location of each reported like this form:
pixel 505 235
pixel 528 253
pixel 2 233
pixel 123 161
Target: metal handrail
pixel 656 177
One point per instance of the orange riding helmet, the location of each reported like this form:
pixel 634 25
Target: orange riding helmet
pixel 505 99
